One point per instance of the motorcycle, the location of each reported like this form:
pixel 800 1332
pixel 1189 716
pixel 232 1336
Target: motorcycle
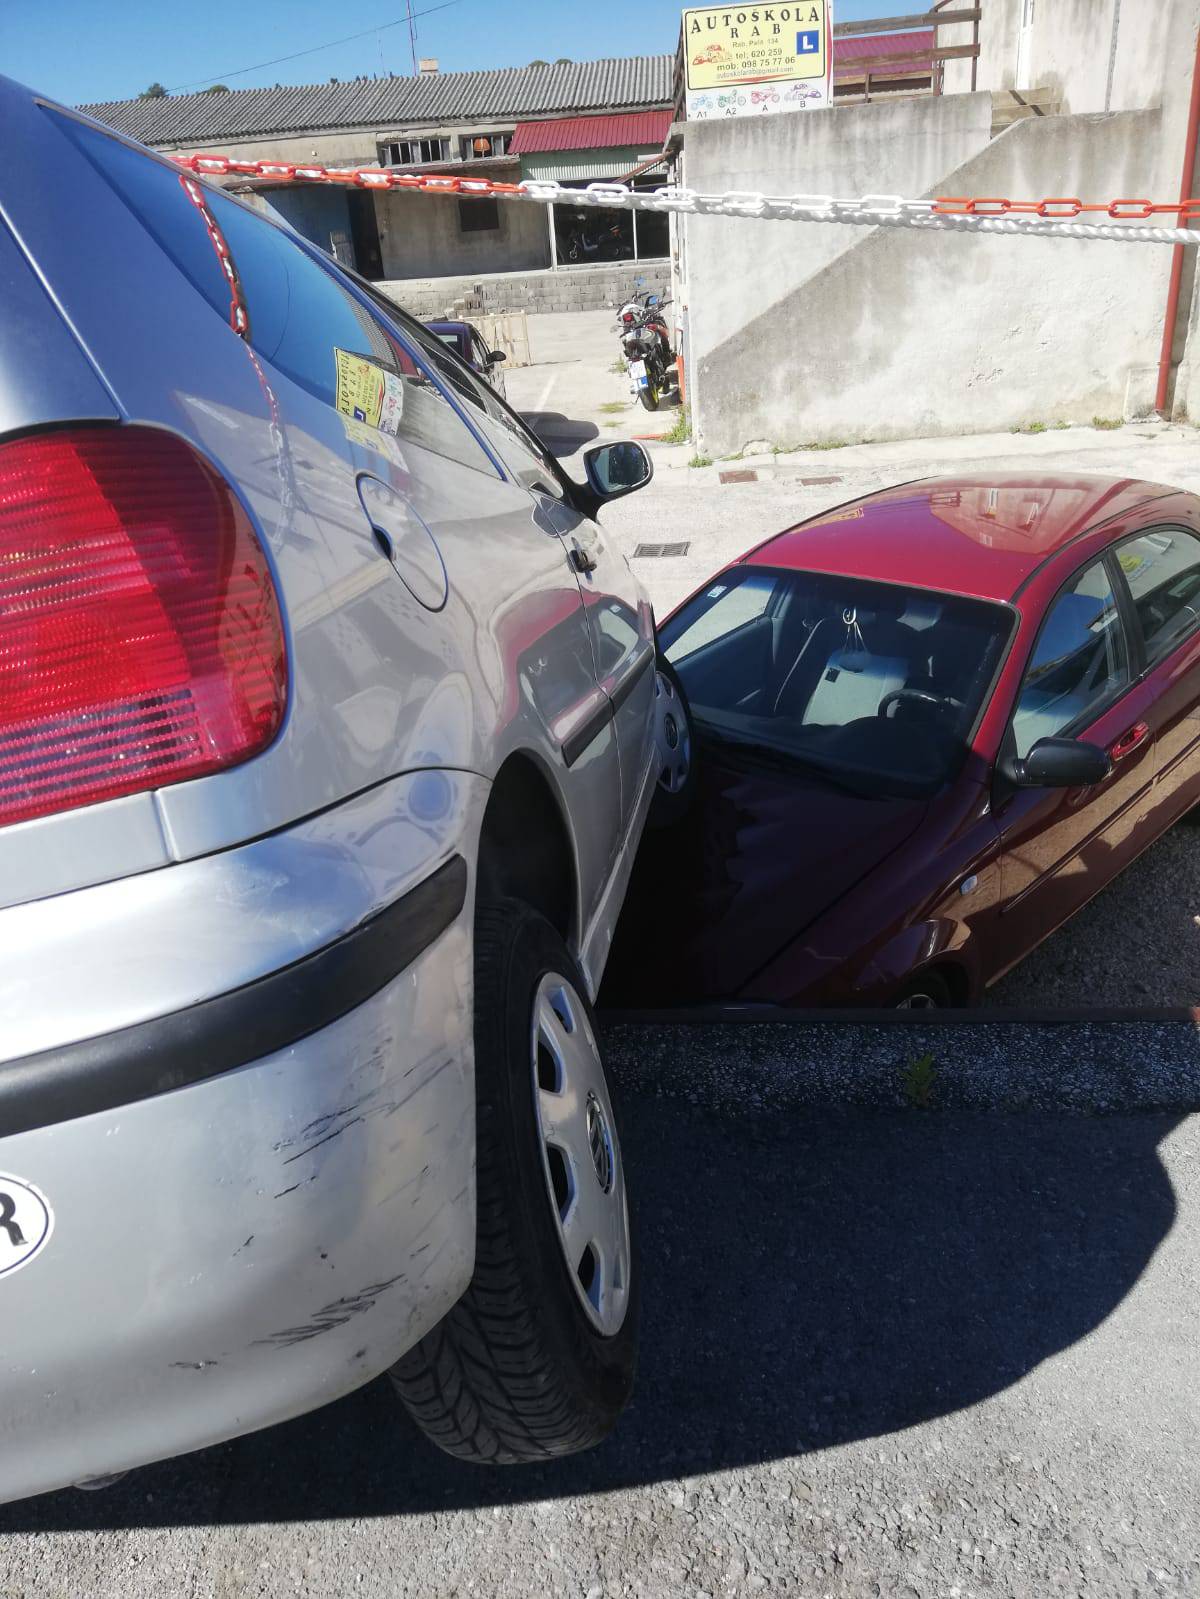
pixel 609 245
pixel 646 346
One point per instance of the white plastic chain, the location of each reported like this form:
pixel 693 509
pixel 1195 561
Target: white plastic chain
pixel 869 210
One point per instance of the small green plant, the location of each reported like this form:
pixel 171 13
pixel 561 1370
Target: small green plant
pixel 738 455
pixel 919 1078
pixel 619 367
pixel 610 407
pixel 1029 427
pixel 681 431
pixel 1060 425
pixel 1107 423
pixel 827 444
pixel 612 424
pixel 700 460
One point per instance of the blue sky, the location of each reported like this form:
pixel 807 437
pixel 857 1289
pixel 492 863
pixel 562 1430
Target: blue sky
pixel 83 51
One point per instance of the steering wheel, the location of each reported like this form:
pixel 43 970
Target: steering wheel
pixel 923 696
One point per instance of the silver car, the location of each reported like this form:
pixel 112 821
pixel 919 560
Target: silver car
pixel 327 734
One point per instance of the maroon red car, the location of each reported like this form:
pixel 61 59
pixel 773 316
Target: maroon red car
pixel 929 726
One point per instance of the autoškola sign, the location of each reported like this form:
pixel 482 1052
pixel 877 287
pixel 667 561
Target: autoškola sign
pixel 757 59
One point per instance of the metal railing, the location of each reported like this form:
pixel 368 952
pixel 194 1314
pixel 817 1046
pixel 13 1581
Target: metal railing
pixel 898 63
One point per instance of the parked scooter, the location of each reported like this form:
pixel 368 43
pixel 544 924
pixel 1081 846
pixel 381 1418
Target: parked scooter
pixel 646 346
pixel 608 245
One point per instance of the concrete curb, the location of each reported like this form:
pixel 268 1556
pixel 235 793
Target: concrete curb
pixel 746 1068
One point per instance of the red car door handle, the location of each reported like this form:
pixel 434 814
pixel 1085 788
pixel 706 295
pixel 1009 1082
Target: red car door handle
pixel 1129 741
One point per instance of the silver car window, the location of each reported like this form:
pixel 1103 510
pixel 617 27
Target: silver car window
pixel 529 460
pixel 301 319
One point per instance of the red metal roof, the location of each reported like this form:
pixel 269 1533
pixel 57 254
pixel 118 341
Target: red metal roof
pixel 645 130
pixel 912 49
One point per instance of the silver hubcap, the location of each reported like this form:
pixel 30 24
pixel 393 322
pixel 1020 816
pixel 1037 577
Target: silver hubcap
pixel 672 736
pixel 918 1002
pixel 581 1157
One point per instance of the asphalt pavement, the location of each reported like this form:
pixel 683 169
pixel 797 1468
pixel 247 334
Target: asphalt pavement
pixel 915 1353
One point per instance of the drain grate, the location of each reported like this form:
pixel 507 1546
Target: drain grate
pixel 644 552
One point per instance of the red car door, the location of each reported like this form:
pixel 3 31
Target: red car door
pixel 1161 572
pixel 1061 846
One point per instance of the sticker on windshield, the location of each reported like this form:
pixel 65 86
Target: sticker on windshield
pixel 366 393
pixel 26 1222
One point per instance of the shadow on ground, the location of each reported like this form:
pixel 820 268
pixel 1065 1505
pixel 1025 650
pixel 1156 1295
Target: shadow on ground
pixel 809 1281
pixel 560 434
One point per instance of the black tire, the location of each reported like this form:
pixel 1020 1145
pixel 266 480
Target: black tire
pixel 517 1372
pixel 649 397
pixel 669 806
pixel 931 988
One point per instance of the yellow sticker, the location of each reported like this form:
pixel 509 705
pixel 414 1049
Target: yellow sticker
pixel 360 388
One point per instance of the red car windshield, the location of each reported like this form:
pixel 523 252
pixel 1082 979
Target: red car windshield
pixel 875 686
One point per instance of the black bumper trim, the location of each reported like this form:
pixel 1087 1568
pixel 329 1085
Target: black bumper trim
pixel 217 1035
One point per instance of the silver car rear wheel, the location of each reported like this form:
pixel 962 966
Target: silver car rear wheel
pixel 538 1358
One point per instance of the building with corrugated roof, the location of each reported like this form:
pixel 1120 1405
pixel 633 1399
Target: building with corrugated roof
pixel 576 121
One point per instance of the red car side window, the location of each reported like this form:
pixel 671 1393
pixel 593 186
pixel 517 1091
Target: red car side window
pixel 1079 661
pixel 1162 572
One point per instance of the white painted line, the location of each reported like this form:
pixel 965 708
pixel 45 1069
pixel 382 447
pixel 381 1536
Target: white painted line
pixel 545 394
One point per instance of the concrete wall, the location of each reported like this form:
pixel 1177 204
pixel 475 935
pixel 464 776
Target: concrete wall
pixel 1071 45
pixel 997 47
pixel 329 149
pixel 574 289
pixel 735 268
pixel 420 237
pixel 313 210
pixel 910 333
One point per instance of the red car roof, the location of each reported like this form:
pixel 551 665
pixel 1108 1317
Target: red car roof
pixel 980 535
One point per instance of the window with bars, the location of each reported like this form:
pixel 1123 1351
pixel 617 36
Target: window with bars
pixel 414 152
pixel 483 146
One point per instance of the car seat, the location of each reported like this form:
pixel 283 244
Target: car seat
pixel 872 655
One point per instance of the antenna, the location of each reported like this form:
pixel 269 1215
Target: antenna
pixel 412 37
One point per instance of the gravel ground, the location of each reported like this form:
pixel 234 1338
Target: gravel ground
pixel 901 1354
pixel 764 1068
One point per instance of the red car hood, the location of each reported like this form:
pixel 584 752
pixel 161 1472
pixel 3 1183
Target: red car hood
pixel 760 856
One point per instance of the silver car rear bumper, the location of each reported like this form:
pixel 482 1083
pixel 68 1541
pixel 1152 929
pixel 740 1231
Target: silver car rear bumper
pixel 262 1197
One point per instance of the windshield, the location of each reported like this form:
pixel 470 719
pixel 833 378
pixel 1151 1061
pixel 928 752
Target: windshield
pixel 872 685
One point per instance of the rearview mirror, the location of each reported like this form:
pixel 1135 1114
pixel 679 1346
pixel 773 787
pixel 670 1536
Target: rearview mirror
pixel 616 469
pixel 495 356
pixel 1059 763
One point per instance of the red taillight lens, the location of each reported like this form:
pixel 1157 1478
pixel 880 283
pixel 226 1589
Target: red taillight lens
pixel 627 318
pixel 140 636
